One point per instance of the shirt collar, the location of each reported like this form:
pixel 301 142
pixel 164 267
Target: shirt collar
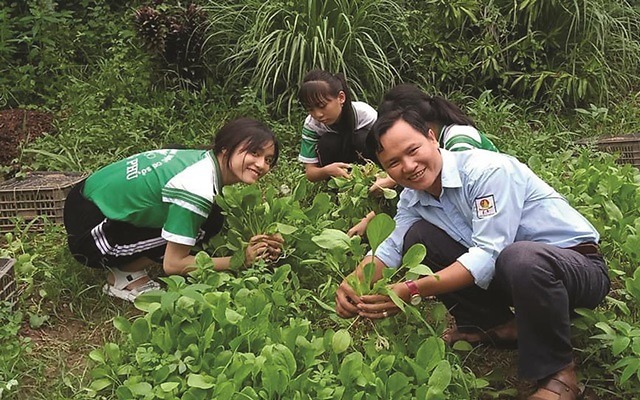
pixel 450 179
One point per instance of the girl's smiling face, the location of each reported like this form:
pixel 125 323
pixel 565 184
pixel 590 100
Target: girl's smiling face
pixel 248 166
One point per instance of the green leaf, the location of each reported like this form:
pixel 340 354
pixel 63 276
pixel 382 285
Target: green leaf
pixel 100 384
pixel 414 256
pixel 122 324
pixel 140 389
pixel 341 341
pixel 97 356
pixel 112 352
pixel 619 344
pixel 419 271
pixel 430 353
pixel 396 299
pixel 203 260
pixel 233 316
pixel 140 331
pixel 285 229
pixel 378 229
pixel 367 276
pixel 441 377
pixel 397 383
pixel 146 301
pixel 169 386
pixel 224 390
pixel 351 368
pixel 323 305
pixel 632 367
pixel 462 345
pixel 200 381
pixel 36 321
pixel 389 193
pixel 612 210
pixel 332 239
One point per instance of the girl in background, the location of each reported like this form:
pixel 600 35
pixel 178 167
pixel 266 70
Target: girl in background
pixel 335 131
pixel 454 130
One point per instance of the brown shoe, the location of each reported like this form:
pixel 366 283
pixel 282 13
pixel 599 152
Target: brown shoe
pixel 504 336
pixel 563 385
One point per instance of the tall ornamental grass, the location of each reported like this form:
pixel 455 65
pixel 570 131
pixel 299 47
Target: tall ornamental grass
pixel 280 41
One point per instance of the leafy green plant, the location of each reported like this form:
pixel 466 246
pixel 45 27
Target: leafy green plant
pixel 249 212
pixel 341 247
pixel 353 199
pixel 14 350
pixel 243 337
pixel 617 339
pixel 549 52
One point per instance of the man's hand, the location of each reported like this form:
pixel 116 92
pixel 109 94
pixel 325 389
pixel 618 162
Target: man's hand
pixel 378 306
pixel 346 301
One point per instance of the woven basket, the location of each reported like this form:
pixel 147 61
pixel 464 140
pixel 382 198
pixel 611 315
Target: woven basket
pixel 8 288
pixel 626 146
pixel 39 194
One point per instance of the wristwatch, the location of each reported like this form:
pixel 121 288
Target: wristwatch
pixel 415 293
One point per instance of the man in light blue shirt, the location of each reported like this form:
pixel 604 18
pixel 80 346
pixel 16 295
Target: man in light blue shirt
pixel 497 237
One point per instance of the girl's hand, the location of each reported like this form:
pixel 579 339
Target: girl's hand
pixel 275 243
pixel 361 227
pixel 256 250
pixel 264 247
pixel 381 183
pixel 338 169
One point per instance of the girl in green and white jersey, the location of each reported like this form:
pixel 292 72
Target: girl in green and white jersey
pixel 155 206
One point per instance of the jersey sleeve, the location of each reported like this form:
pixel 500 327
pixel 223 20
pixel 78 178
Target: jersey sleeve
pixel 182 225
pixel 366 115
pixel 309 146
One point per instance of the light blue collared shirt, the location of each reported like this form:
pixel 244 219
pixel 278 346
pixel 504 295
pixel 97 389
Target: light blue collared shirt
pixel 488 201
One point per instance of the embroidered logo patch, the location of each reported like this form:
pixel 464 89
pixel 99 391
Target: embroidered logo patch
pixel 485 206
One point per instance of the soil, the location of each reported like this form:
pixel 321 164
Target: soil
pixel 17 127
pixel 499 366
pixel 63 344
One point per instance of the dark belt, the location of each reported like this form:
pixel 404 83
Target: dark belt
pixel 586 248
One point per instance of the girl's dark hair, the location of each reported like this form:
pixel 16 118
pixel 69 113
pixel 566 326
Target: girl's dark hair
pixel 319 86
pixel 249 133
pixel 432 108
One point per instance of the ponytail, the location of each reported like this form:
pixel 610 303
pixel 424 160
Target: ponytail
pixel 431 108
pixel 449 113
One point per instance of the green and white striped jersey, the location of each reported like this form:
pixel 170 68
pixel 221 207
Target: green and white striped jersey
pixel 169 189
pixel 464 137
